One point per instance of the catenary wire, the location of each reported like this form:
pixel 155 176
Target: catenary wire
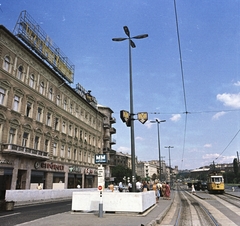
pixel 182 74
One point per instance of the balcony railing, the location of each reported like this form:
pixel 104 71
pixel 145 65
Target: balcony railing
pixel 25 151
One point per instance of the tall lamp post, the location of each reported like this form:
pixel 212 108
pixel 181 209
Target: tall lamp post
pixel 159 150
pixel 131 45
pixel 169 147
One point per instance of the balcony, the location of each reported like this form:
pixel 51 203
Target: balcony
pixel 112 120
pixel 25 151
pixel 112 130
pixel 113 141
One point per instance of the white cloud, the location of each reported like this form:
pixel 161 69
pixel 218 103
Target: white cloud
pixel 148 124
pixel 139 138
pixel 207 145
pixel 218 115
pixel 175 117
pixel 123 149
pixel 237 83
pixel 210 156
pixel 228 99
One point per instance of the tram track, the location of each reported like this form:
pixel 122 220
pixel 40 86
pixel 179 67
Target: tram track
pixel 188 211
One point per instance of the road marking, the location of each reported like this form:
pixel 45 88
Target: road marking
pixel 9 215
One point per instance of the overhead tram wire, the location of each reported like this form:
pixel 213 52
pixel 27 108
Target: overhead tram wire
pixel 228 144
pixel 183 84
pixel 193 112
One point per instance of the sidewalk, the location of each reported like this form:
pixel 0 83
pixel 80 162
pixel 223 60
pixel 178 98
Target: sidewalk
pixel 148 218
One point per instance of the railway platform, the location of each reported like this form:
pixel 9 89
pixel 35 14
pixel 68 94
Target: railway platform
pixel 149 218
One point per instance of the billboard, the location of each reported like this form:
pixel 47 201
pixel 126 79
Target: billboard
pixel 39 42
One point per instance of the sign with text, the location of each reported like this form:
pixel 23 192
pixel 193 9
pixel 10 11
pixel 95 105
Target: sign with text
pixel 100 158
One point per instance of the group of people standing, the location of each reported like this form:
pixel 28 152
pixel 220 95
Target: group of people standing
pixel 162 190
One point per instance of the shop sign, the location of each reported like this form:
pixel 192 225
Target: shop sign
pixel 75 169
pixel 51 166
pixel 6 162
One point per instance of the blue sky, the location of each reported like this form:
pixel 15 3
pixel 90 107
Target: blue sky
pixel 210 47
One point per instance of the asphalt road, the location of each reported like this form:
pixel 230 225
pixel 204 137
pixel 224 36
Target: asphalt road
pixel 27 213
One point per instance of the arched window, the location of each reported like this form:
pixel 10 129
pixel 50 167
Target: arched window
pixel 58 100
pixel 50 94
pixel 6 65
pixel 31 81
pixel 41 89
pixel 20 72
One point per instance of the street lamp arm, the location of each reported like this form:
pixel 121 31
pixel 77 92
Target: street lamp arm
pixel 126 30
pixel 119 39
pixel 140 36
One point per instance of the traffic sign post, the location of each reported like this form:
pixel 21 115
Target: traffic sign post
pixel 101 181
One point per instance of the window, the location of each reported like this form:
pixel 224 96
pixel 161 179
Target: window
pixel 75 132
pixel 36 142
pixel 71 108
pixel 58 100
pixel 16 103
pixel 80 156
pixel 12 133
pixel 69 153
pixel 50 94
pixel 49 117
pixel 55 149
pixel 81 135
pixel 65 105
pixel 41 89
pixel 46 145
pixel 75 154
pixel 31 81
pixel 62 151
pixel 70 130
pixel 28 110
pixel 20 72
pixel 25 139
pixel 56 123
pixel 6 65
pixel 2 95
pixel 64 127
pixel 39 114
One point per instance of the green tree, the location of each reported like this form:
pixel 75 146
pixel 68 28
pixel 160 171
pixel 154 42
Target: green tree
pixel 235 166
pixel 119 172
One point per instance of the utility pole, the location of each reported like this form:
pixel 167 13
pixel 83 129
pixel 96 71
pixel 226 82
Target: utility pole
pixel 170 170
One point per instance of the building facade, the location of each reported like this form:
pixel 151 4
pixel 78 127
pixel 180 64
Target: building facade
pixel 49 132
pixel 108 141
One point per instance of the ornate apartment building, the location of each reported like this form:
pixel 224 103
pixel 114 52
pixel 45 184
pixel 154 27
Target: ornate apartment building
pixel 49 132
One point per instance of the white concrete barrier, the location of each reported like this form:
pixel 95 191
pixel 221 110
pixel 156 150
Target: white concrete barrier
pixel 113 201
pixel 46 195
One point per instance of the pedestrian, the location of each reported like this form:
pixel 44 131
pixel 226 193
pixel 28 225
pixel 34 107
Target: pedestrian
pixel 159 186
pixel 39 187
pixel 129 187
pixel 78 186
pixel 138 186
pixel 157 194
pixel 164 190
pixel 120 187
pixel 145 186
pixel 193 189
pixel 167 191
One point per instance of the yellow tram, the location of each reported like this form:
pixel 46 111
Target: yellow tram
pixel 215 183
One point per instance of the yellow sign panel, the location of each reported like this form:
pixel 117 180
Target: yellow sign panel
pixel 142 117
